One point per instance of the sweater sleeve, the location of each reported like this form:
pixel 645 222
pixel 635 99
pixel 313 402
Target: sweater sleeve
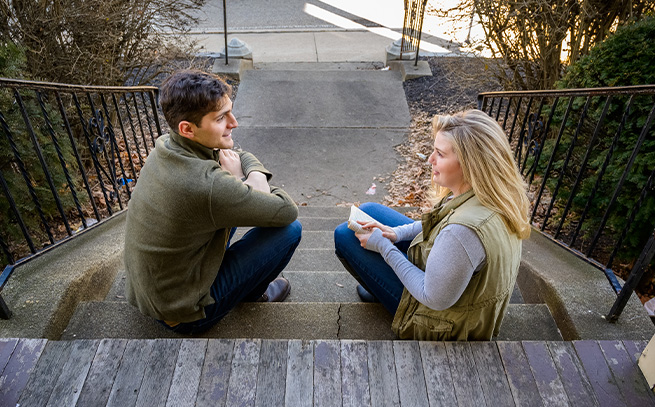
pixel 250 163
pixel 408 231
pixel 233 203
pixel 456 254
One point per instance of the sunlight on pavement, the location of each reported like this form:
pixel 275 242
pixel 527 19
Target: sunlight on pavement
pixel 345 23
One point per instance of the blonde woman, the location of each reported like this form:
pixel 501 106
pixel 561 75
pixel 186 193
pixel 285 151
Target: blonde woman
pixel 449 276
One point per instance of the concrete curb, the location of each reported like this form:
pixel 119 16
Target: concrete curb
pixel 44 292
pixel 577 294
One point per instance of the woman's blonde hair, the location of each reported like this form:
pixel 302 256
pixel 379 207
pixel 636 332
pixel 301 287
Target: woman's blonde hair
pixel 488 166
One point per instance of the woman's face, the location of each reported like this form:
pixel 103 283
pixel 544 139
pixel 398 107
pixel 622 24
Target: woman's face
pixel 446 170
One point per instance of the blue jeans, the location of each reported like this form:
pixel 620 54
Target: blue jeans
pixel 249 265
pixel 369 268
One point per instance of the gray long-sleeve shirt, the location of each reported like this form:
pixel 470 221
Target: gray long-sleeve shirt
pixel 457 254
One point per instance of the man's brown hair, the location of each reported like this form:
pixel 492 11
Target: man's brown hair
pixel 191 94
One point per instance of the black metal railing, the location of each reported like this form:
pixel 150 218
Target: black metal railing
pixel 588 156
pixel 412 27
pixel 69 158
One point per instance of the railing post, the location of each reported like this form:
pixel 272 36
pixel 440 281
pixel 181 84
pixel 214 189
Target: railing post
pixel 635 276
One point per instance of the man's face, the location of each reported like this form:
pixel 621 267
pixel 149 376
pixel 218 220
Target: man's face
pixel 215 130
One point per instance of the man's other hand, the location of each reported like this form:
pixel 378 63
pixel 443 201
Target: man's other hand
pixel 231 162
pixel 258 181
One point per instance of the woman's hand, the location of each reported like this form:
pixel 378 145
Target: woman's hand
pixel 231 162
pixel 368 227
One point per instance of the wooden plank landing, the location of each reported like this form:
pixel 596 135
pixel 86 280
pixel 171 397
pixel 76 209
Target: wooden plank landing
pixel 256 372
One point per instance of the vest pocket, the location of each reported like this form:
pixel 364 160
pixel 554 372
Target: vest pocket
pixel 429 323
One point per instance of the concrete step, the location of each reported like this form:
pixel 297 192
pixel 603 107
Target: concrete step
pixel 96 320
pixel 306 286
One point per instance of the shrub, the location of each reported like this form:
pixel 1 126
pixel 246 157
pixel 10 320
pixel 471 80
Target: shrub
pixel 625 58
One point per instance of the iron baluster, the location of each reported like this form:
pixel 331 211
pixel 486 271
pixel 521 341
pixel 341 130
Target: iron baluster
pixel 535 164
pixel 80 166
pixel 631 218
pixel 153 105
pixel 500 107
pixel 569 153
pixel 64 168
pixel 516 115
pixel 16 212
pixel 615 195
pixel 606 162
pixel 583 165
pixel 535 126
pixel 127 144
pixel 633 279
pixel 567 160
pixel 517 151
pixel 94 158
pixel 138 119
pixel 509 105
pixel 549 168
pixel 145 109
pixel 134 132
pixel 115 154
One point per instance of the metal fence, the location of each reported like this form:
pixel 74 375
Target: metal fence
pixel 588 156
pixel 69 159
pixel 412 27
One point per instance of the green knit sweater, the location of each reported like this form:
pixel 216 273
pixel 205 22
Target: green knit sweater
pixel 178 223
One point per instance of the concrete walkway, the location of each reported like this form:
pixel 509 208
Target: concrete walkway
pixel 327 136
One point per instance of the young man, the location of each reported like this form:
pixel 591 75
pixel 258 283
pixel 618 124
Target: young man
pixel 193 191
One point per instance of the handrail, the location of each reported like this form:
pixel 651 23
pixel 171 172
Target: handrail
pixel 71 157
pixel 586 156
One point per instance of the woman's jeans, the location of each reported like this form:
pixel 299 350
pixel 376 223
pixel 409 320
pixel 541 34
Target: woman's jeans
pixel 249 265
pixel 369 268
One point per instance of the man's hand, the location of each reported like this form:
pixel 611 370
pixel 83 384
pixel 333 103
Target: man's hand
pixel 258 181
pixel 231 162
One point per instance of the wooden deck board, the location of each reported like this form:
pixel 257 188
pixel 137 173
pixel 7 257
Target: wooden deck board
pixel 383 383
pixel 327 375
pixel 130 373
pixel 599 374
pixel 73 374
pixel 492 375
pixel 186 376
pixel 545 374
pixel 576 384
pixel 438 379
pixel 156 381
pixel 630 381
pixel 243 377
pixel 272 374
pixel 100 378
pixel 465 375
pixel 38 388
pixel 18 368
pixel 258 372
pixel 519 374
pixel 300 374
pixel 354 374
pixel 6 349
pixel 212 390
pixel 409 369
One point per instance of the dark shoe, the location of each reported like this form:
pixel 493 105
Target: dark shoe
pixel 278 290
pixel 365 295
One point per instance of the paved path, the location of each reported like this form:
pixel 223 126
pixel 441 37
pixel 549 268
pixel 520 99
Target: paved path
pixel 255 372
pixel 327 136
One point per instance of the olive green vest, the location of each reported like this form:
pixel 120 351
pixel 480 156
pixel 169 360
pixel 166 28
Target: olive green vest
pixel 478 313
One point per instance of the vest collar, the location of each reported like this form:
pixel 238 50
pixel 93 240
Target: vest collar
pixel 194 148
pixel 445 207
